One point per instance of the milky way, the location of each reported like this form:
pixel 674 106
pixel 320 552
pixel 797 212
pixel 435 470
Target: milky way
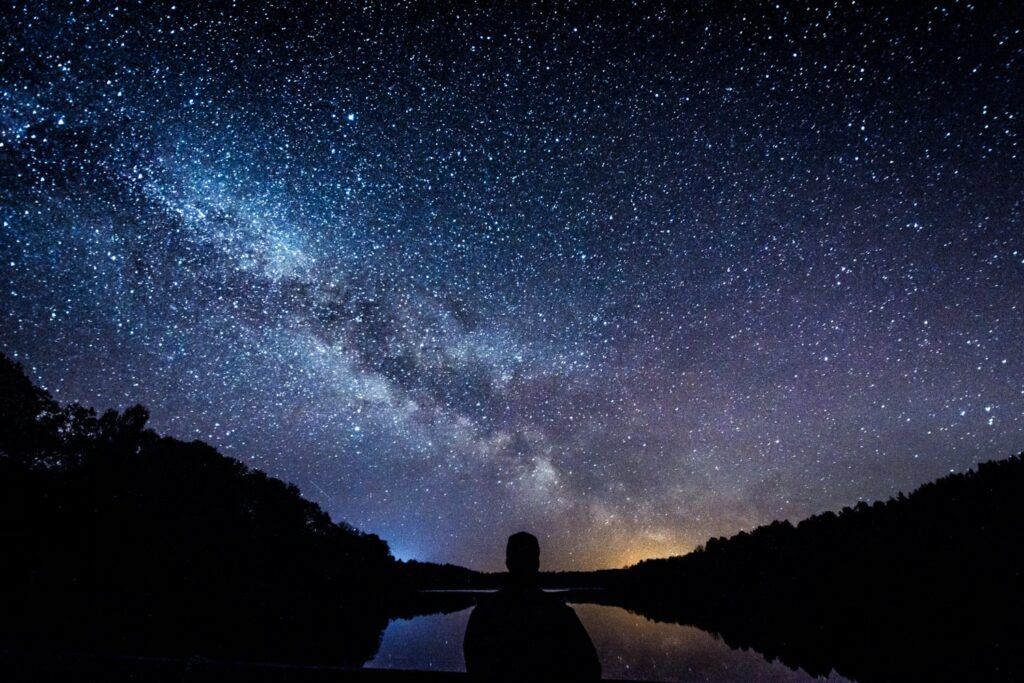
pixel 627 278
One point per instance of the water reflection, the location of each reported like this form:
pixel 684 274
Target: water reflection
pixel 630 647
pixel 432 642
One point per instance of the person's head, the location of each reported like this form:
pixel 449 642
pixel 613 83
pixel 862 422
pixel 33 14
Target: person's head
pixel 522 554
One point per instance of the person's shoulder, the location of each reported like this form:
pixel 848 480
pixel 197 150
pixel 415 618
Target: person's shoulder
pixel 556 605
pixel 488 602
pixel 553 599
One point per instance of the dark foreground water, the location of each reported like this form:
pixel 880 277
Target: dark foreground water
pixel 629 646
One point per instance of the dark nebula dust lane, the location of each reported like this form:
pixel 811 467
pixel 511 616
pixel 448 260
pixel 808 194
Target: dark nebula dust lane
pixel 628 277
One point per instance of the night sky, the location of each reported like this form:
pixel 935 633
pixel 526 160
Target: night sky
pixel 626 277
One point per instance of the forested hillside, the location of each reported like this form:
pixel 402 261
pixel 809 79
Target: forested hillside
pixel 118 539
pixel 921 586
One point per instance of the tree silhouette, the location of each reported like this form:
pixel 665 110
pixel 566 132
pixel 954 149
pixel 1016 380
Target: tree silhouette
pixel 928 586
pixel 117 539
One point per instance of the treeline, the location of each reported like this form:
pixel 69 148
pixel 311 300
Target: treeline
pixel 430 576
pixel 115 539
pixel 928 586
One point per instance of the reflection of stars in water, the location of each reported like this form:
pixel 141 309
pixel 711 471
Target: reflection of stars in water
pixel 626 279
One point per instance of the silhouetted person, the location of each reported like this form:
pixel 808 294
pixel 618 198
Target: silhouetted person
pixel 522 633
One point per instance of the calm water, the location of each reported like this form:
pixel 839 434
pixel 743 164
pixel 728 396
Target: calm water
pixel 629 646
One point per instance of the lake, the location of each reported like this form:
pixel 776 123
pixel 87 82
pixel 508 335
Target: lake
pixel 629 647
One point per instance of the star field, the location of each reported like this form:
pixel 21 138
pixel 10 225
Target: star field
pixel 627 277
